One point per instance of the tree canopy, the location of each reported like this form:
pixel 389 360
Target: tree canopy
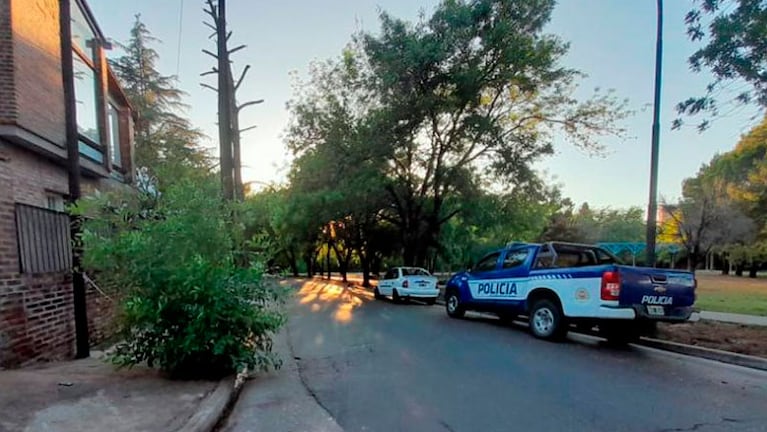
pixel 410 126
pixel 734 51
pixel 164 138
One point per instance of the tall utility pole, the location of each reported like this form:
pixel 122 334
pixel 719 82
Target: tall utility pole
pixel 73 171
pixel 652 206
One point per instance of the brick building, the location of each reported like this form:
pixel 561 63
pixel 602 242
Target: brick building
pixel 36 304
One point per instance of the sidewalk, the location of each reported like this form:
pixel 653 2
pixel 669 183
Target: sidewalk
pixel 278 401
pixel 90 395
pixel 754 320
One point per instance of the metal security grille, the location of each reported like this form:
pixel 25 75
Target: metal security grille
pixel 43 238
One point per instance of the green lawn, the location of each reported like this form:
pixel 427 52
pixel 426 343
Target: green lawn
pixel 731 294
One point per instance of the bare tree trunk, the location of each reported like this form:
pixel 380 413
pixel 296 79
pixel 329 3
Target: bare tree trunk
pixel 293 263
pixel 739 270
pixel 224 104
pixel 309 261
pixel 365 261
pixel 752 271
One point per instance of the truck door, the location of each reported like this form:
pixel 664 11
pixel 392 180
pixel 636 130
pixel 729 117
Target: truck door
pixel 505 281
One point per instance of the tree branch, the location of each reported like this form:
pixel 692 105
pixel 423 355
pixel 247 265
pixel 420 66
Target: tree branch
pixel 212 11
pixel 210 26
pixel 249 103
pixel 242 77
pixel 208 86
pixel 248 128
pixel 448 217
pixel 234 50
pixel 210 72
pixel 210 54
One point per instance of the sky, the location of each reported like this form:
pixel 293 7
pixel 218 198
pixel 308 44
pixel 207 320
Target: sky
pixel 611 41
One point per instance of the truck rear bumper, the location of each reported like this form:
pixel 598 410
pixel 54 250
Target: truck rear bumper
pixel 671 314
pixel 609 312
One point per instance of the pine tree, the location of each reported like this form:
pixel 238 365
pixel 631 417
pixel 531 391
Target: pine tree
pixel 162 134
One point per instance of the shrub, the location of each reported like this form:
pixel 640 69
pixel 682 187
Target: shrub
pixel 193 304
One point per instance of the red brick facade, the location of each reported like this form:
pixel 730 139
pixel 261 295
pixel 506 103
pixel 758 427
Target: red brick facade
pixel 36 310
pixel 37 55
pixel 8 111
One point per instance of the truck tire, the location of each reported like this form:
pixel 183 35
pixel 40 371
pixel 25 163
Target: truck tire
pixel 377 294
pixel 453 305
pixel 507 318
pixel 546 320
pixel 620 333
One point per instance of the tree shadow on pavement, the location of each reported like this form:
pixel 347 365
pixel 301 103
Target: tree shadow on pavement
pixel 334 297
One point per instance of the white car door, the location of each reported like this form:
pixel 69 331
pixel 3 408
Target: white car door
pixel 386 284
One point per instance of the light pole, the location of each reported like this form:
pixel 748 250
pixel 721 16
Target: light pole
pixel 652 207
pixel 82 343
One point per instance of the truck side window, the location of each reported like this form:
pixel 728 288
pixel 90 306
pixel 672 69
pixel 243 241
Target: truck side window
pixel 605 258
pixel 487 263
pixel 515 258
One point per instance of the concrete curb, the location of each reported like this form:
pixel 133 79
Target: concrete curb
pixel 213 409
pixel 707 353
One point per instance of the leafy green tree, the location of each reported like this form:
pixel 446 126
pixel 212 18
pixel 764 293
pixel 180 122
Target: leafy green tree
pixel 406 127
pixel 334 164
pixel 734 32
pixel 470 94
pixel 742 173
pixel 188 307
pixel 163 137
pixel 704 219
pixel 593 226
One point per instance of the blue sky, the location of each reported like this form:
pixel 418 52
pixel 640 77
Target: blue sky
pixel 612 41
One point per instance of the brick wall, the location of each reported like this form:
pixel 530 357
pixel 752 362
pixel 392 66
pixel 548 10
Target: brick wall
pixel 101 314
pixel 8 111
pixel 36 311
pixel 37 64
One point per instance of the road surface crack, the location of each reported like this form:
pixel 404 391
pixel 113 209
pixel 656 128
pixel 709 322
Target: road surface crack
pixel 698 426
pixel 445 425
pixel 302 375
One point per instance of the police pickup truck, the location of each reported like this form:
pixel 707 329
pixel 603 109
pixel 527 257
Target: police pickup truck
pixel 558 284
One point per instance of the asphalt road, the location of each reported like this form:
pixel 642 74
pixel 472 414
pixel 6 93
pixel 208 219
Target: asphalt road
pixel 379 366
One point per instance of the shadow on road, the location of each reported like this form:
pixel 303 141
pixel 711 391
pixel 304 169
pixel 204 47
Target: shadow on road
pixel 332 296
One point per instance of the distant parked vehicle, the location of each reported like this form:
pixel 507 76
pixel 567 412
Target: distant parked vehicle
pixel 402 283
pixel 557 284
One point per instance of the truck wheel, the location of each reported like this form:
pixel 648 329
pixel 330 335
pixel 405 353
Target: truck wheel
pixel 395 297
pixel 620 334
pixel 453 305
pixel 507 318
pixel 377 294
pixel 546 320
pixel 649 329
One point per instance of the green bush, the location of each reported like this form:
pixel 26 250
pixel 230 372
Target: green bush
pixel 192 304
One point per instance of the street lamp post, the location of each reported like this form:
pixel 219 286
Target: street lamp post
pixel 652 207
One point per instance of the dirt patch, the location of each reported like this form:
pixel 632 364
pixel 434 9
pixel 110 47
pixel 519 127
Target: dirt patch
pixel 743 339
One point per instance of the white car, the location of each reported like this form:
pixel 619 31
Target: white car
pixel 403 283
